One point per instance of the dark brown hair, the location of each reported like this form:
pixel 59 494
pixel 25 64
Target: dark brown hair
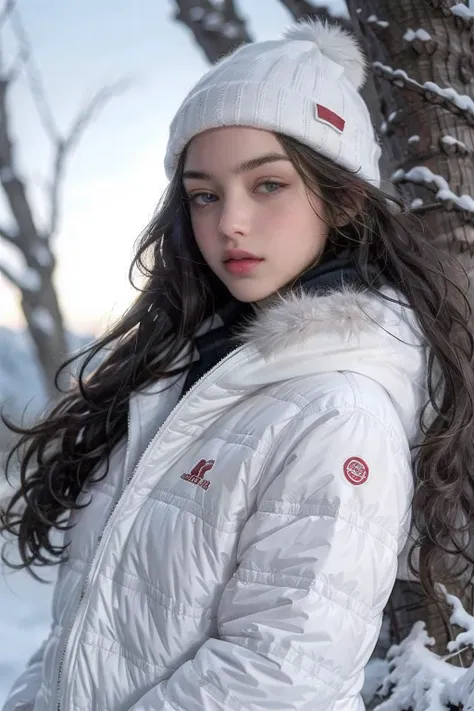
pixel 63 450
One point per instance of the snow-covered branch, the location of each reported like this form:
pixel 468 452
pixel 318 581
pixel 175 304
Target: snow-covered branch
pixel 420 680
pixel 449 98
pixel 420 175
pixel 417 677
pixel 217 27
pixel 461 618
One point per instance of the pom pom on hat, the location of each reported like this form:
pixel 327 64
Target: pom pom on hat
pixel 305 85
pixel 335 43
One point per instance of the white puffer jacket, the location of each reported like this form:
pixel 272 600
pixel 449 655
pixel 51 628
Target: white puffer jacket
pixel 242 560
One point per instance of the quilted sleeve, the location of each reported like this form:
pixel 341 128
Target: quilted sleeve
pixel 317 561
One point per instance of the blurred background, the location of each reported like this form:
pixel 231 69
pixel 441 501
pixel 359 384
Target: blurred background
pixel 90 92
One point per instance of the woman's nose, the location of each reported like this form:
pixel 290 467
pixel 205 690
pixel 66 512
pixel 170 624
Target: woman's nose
pixel 234 218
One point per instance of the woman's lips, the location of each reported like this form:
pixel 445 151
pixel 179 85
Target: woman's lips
pixel 242 266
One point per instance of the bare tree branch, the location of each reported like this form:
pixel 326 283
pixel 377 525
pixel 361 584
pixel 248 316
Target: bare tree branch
pixel 34 79
pixel 6 11
pixel 17 66
pixel 11 74
pixel 92 108
pixel 35 280
pixel 64 146
pixel 13 186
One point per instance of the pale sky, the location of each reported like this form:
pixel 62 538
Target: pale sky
pixel 115 177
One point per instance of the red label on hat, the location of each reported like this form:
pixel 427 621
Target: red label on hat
pixel 356 471
pixel 327 116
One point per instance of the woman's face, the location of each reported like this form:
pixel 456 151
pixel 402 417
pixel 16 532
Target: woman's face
pixel 246 195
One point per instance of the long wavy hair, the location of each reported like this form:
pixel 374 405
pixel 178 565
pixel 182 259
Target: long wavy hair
pixel 64 449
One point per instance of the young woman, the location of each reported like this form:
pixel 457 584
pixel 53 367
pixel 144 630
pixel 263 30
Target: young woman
pixel 291 390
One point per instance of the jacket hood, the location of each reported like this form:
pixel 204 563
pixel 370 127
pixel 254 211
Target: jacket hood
pixel 306 332
pixel 373 334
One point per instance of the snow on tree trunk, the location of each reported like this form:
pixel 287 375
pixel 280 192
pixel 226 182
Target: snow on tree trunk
pixel 423 50
pixel 218 28
pixel 422 57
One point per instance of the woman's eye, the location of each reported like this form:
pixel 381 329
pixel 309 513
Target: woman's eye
pixel 270 186
pixel 202 199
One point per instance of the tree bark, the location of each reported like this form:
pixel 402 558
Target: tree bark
pixel 39 300
pixel 426 128
pixel 421 127
pixel 217 29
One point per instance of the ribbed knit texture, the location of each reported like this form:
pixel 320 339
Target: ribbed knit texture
pixel 276 85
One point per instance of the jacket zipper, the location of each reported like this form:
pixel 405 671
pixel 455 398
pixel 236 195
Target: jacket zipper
pixel 151 443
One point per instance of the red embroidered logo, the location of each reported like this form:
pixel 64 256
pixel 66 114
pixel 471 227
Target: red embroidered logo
pixel 197 474
pixel 356 471
pixel 325 115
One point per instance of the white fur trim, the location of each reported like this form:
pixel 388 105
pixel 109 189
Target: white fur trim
pixel 298 316
pixel 334 42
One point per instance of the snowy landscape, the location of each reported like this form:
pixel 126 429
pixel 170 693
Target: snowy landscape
pixel 112 188
pixel 25 604
pixel 25 611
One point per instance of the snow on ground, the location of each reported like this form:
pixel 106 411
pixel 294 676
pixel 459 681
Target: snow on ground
pixel 25 613
pixel 25 604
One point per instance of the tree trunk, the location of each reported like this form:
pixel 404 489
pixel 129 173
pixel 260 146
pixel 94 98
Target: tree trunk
pixel 38 297
pixel 217 30
pixel 46 327
pixel 434 46
pixel 33 245
pixel 427 133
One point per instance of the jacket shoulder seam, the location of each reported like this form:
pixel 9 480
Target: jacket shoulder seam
pixel 312 408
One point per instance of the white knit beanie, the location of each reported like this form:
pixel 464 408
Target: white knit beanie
pixel 304 85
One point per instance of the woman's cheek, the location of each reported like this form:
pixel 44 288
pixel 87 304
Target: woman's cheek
pixel 204 232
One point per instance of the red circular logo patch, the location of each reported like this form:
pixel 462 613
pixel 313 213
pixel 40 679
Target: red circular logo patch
pixel 356 470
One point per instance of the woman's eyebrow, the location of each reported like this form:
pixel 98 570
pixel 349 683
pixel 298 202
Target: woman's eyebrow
pixel 244 167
